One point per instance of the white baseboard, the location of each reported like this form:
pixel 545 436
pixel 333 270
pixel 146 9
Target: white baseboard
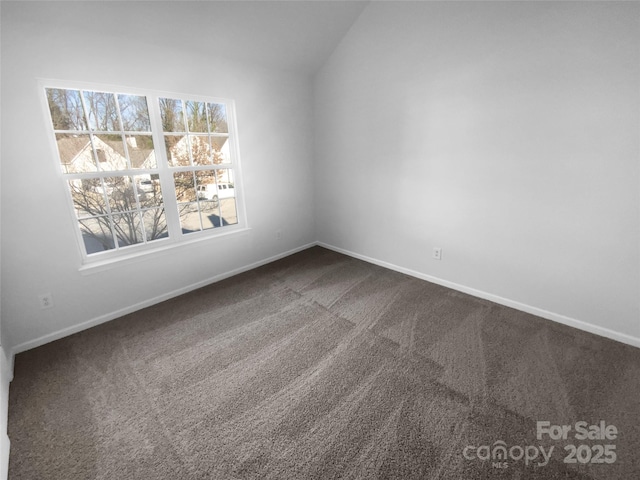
pixel 147 303
pixel 556 317
pixel 5 446
pixel 5 378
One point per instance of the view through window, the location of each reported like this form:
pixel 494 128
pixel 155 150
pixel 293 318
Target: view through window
pixel 143 168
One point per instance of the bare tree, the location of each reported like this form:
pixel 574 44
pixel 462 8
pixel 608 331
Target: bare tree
pixel 171 113
pixel 129 228
pixel 134 113
pixel 66 109
pixel 101 111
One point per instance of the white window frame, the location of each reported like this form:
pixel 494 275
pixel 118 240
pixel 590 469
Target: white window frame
pixel 176 237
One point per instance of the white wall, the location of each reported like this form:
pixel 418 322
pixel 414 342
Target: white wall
pixel 39 251
pixel 507 134
pixel 504 133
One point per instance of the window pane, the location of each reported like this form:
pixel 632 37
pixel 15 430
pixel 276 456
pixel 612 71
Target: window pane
pixel 75 152
pixel 120 193
pixel 149 191
pixel 184 186
pixel 141 152
pixel 177 148
pixel 155 224
pixel 206 185
pixel 172 116
pixel 134 113
pixel 207 207
pixel 66 109
pixel 217 118
pixel 88 197
pixel 196 116
pixel 228 211
pixel 210 214
pixel 128 228
pixel 189 217
pixel 201 152
pixel 225 175
pixel 102 111
pixel 110 152
pixel 96 234
pixel 220 146
pixel 227 194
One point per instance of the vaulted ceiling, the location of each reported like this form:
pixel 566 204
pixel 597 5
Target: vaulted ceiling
pixel 291 35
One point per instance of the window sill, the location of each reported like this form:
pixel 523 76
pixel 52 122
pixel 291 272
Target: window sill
pixel 95 266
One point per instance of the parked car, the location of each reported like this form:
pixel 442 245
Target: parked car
pixel 145 186
pixel 215 191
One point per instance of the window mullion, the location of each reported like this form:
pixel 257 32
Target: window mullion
pixel 162 164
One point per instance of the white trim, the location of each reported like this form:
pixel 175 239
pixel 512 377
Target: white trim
pixel 5 448
pixel 50 337
pixel 162 248
pixel 6 375
pixel 556 317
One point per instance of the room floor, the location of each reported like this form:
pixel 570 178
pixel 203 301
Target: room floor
pixel 321 366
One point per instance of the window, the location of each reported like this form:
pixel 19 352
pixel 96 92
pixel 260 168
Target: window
pixel 145 169
pixel 196 140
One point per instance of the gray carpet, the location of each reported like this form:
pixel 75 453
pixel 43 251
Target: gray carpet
pixel 320 366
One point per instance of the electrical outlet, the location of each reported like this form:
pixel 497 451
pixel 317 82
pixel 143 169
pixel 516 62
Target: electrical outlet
pixel 437 253
pixel 46 300
pixel 279 234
